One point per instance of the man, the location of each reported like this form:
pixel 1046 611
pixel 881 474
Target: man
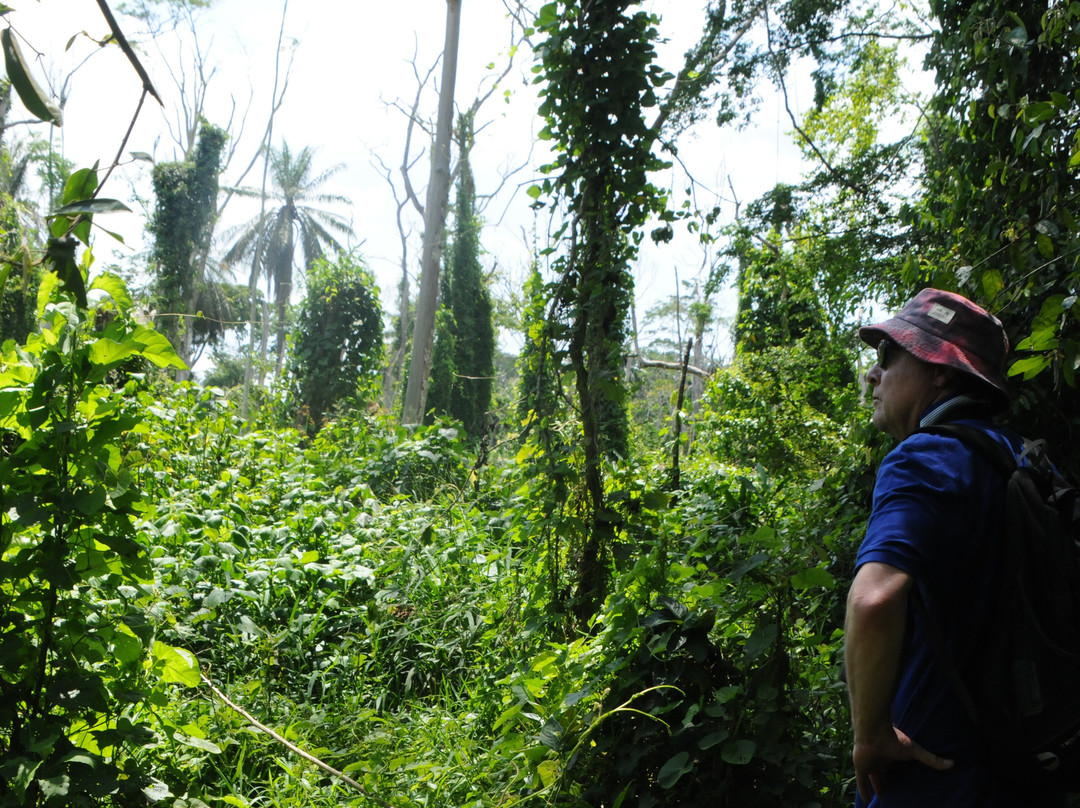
pixel 937 512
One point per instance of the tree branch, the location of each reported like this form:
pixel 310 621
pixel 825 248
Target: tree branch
pixel 660 363
pixel 291 746
pixel 125 46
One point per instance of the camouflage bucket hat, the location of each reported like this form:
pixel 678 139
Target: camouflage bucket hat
pixel 946 329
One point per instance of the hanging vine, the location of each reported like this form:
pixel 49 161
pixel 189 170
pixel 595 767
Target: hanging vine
pixel 600 78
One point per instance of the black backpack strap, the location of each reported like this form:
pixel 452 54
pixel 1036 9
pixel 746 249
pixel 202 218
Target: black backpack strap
pixel 1001 456
pixel 937 639
pixel 1005 461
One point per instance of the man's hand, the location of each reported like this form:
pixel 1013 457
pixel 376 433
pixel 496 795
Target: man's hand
pixel 873 756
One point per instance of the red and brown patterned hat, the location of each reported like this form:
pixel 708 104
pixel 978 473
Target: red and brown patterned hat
pixel 946 329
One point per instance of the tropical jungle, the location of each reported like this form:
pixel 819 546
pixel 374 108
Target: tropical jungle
pixel 272 536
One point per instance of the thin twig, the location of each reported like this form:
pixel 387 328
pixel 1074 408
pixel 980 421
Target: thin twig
pixel 123 143
pixel 291 746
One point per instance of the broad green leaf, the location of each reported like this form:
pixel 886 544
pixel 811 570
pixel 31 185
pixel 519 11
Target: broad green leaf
pixel 748 564
pixel 92 206
pixel 655 500
pixel 126 648
pixel 157 348
pixel 198 743
pixel 765 536
pixel 115 287
pixel 40 105
pixel 80 185
pixel 712 739
pixel 157 791
pixel 18 773
pixel 1038 112
pixel 551 735
pixel 992 284
pixel 107 351
pixel 1030 367
pixel 762 638
pixel 549 14
pixel 813 577
pixel 58 786
pixel 216 597
pixel 548 771
pixel 1017 37
pixel 179 666
pixel 738 753
pixel 674 769
pixel 507 714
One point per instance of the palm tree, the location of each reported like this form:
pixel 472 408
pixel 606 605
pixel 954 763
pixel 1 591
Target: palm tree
pixel 270 240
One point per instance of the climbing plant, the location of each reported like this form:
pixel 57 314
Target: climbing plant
pixel 338 342
pixel 182 226
pixel 599 79
pixel 998 218
pixel 82 671
pixel 463 363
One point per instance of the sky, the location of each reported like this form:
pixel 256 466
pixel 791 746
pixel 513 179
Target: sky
pixel 353 75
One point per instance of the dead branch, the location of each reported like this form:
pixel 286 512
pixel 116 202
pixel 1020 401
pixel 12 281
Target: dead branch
pixel 413 121
pixel 660 363
pixel 291 746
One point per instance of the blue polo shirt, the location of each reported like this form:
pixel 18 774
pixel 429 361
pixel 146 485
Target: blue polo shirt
pixel 937 514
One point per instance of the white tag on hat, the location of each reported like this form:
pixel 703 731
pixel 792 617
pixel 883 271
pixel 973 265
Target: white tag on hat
pixel 939 312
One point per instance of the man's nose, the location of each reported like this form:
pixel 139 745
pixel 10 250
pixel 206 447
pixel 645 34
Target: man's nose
pixel 873 376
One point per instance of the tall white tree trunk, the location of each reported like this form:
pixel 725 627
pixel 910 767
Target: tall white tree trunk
pixel 438 193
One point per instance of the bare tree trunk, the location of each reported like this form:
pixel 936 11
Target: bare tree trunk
pixel 438 194
pixel 397 361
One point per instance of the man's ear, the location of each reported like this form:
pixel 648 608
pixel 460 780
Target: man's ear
pixel 943 377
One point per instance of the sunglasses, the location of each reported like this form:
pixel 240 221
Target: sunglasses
pixel 883 348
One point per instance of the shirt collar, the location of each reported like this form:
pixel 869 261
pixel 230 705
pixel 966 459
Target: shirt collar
pixel 939 412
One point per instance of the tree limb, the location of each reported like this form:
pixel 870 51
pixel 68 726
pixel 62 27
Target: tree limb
pixel 291 746
pixel 125 46
pixel 660 363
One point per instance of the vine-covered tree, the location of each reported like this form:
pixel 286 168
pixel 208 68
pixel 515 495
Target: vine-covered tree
pixel 600 77
pixel 182 226
pixel 338 336
pixel 463 363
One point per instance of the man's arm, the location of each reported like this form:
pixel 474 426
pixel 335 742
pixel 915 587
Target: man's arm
pixel 874 639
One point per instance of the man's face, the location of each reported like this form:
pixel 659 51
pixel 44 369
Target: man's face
pixel 903 388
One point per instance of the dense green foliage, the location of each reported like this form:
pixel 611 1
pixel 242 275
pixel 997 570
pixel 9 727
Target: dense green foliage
pixel 338 342
pixel 182 224
pixel 555 620
pixel 600 77
pixel 463 360
pixel 998 220
pixel 82 671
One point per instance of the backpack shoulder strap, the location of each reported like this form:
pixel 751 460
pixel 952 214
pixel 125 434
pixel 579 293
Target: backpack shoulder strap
pixel 998 454
pixel 1006 462
pixel 937 640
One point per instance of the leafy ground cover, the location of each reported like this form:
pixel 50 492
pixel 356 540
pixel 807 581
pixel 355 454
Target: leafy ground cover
pixel 380 603
pixel 196 613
